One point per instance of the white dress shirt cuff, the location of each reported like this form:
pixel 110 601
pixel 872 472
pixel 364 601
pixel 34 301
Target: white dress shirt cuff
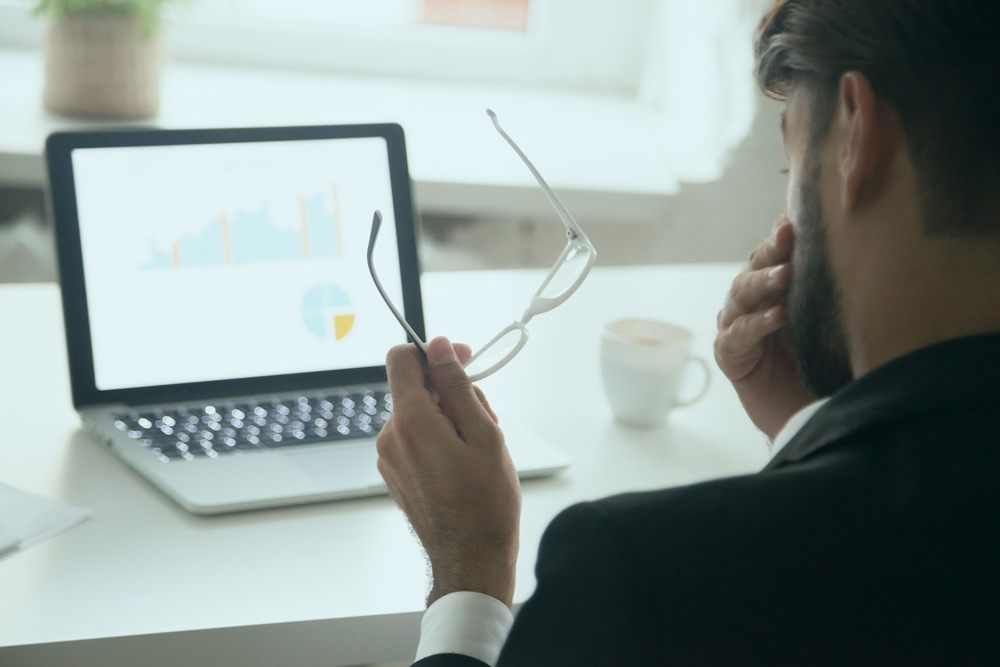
pixel 467 623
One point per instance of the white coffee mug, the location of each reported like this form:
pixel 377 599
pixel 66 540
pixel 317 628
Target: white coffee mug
pixel 642 365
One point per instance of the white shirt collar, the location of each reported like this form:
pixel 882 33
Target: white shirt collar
pixel 794 425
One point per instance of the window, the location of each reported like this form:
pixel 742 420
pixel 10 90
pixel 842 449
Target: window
pixel 509 15
pixel 688 62
pixel 534 42
pixel 564 44
pixel 491 14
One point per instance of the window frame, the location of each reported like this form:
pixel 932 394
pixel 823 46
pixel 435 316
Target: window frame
pixel 558 49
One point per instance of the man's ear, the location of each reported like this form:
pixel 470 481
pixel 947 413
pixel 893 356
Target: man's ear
pixel 863 147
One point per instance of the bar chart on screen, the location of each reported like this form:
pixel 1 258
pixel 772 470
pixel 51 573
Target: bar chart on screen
pixel 304 227
pixel 231 260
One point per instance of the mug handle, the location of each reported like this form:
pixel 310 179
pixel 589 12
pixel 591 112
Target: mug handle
pixel 704 388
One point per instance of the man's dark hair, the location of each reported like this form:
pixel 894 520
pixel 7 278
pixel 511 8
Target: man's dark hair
pixel 937 62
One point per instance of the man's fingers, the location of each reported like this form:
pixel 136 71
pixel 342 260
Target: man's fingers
pixel 385 441
pixel 458 399
pixel 746 333
pixel 406 379
pixel 486 404
pixel 752 290
pixel 766 277
pixel 776 249
pixel 463 351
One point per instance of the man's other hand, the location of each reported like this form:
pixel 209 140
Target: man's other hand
pixel 752 347
pixel 443 457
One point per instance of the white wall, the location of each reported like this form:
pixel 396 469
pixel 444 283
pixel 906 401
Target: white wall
pixel 716 221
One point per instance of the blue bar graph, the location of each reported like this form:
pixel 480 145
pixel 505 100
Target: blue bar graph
pixel 254 238
pixel 250 236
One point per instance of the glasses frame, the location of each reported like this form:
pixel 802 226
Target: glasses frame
pixel 577 242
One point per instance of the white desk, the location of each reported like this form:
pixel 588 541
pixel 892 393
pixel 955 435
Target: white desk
pixel 336 583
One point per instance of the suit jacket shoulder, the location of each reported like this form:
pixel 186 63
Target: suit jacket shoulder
pixel 882 547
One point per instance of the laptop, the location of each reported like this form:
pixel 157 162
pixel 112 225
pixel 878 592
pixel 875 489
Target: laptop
pixel 224 337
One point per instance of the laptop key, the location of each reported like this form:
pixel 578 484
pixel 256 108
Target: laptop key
pixel 169 452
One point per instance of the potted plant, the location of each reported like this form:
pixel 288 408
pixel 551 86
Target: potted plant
pixel 102 57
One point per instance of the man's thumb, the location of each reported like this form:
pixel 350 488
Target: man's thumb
pixel 458 399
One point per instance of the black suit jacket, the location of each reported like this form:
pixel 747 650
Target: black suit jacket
pixel 872 537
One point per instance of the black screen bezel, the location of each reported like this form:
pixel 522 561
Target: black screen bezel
pixel 63 210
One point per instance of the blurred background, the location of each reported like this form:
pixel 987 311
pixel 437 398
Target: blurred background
pixel 642 114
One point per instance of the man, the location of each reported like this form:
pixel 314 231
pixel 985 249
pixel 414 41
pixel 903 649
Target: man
pixel 873 536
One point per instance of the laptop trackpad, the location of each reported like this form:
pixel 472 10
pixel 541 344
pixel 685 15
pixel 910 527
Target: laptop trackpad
pixel 343 466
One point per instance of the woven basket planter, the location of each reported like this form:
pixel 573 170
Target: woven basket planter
pixel 101 66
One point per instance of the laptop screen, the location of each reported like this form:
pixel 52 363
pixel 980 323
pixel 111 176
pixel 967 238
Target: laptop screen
pixel 221 261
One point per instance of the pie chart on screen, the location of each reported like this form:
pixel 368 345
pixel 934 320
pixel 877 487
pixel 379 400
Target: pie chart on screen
pixel 327 312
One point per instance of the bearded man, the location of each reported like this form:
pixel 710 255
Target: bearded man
pixel 863 338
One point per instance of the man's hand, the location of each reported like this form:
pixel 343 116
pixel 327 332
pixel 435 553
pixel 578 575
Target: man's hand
pixel 443 458
pixel 752 347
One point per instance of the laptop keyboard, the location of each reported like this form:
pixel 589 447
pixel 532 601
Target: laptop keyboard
pixel 213 430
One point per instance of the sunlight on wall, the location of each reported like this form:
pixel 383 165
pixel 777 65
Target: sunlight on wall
pixel 699 73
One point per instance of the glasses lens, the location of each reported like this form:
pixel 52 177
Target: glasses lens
pixel 495 352
pixel 568 273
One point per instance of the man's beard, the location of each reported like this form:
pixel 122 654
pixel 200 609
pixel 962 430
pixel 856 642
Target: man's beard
pixel 814 322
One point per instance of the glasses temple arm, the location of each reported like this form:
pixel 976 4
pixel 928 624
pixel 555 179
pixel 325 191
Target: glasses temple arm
pixel 376 225
pixel 564 214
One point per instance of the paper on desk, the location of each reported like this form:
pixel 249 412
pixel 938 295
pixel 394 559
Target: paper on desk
pixel 26 519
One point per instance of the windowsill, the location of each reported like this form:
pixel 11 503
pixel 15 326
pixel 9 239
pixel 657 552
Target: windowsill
pixel 608 157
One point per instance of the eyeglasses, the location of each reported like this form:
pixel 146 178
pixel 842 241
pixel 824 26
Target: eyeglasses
pixel 566 276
